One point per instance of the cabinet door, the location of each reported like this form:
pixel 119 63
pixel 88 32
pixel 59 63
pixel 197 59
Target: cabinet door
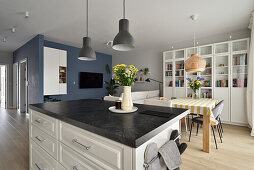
pixel 63 58
pixel 238 105
pixel 51 71
pixel 221 93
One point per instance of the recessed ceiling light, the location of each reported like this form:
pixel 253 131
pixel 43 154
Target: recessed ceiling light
pixel 13 29
pixel 4 39
pixel 27 14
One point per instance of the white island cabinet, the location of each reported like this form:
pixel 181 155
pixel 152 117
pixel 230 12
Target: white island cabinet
pixel 56 145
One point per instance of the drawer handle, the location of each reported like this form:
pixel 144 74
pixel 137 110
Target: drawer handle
pixel 76 141
pixel 40 122
pixel 39 139
pixel 75 167
pixel 37 166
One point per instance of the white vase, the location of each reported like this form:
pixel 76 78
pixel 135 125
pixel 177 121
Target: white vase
pixel 127 99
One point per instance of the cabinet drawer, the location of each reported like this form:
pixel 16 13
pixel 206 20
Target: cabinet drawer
pixel 92 146
pixel 45 141
pixel 45 123
pixel 73 160
pixel 40 160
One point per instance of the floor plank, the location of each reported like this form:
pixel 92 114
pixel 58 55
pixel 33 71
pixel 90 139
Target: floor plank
pixel 235 153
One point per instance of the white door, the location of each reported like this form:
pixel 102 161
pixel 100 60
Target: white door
pixel 23 86
pixel 3 86
pixel 15 85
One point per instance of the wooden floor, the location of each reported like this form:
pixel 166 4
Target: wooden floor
pixel 236 151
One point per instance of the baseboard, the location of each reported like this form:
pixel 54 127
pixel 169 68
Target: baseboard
pixel 236 124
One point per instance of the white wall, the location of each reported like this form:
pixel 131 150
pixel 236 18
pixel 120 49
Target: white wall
pixel 152 58
pixel 7 58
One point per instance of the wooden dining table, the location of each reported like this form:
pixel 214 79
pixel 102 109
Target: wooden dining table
pixel 202 106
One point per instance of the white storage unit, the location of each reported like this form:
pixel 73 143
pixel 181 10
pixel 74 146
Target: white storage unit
pixel 55 71
pixel 225 76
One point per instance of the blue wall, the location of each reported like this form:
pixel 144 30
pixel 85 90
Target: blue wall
pixel 33 52
pixel 74 66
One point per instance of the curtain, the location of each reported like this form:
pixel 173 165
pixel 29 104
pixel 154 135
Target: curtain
pixel 250 86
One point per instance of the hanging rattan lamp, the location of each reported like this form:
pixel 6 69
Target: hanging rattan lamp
pixel 195 63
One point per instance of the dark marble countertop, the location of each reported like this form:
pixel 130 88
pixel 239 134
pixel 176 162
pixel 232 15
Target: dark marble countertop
pixel 131 129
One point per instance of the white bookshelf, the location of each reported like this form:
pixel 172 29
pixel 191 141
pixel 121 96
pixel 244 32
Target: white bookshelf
pixel 225 76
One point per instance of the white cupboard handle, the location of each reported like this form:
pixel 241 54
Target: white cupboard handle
pixel 37 166
pixel 39 139
pixel 75 167
pixel 84 146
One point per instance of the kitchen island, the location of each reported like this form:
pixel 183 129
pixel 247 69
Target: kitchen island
pixel 83 134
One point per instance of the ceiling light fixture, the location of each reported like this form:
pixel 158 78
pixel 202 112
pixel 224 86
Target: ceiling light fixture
pixel 86 52
pixel 195 63
pixel 123 41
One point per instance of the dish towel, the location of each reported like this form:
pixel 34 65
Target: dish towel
pixel 171 155
pixel 150 153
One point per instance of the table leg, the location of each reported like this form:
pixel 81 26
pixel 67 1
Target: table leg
pixel 206 133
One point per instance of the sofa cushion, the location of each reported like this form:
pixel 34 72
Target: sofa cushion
pixel 111 98
pixel 139 101
pixel 154 93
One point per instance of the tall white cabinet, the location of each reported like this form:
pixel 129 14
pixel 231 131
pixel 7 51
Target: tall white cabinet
pixel 225 76
pixel 55 71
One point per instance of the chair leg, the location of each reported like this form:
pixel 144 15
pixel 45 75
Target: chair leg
pixel 190 131
pixel 189 121
pixel 197 129
pixel 220 132
pixel 221 125
pixel 214 137
pixel 186 128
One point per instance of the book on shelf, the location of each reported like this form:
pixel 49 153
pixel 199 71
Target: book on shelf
pixel 207 83
pixel 169 67
pixel 179 73
pixel 168 73
pixel 222 83
pixel 240 59
pixel 179 83
pixel 179 66
pixel 170 84
pixel 240 82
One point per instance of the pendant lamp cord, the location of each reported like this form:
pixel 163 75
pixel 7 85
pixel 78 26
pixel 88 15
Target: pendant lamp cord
pixel 194 35
pixel 123 9
pixel 87 18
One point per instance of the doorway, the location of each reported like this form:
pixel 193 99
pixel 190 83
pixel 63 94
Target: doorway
pixel 3 87
pixel 23 84
pixel 15 85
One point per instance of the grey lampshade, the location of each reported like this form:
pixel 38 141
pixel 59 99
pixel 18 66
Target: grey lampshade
pixel 86 52
pixel 123 40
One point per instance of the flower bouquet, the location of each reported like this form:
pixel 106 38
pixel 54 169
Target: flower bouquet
pixel 126 76
pixel 195 85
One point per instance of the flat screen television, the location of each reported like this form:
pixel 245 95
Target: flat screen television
pixel 90 80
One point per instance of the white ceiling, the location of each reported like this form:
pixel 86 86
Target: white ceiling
pixel 153 23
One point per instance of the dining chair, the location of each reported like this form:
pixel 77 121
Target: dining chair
pixel 217 110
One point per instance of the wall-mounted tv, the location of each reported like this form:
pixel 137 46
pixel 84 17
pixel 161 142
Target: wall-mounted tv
pixel 90 80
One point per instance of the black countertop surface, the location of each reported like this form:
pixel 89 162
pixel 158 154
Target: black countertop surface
pixel 132 129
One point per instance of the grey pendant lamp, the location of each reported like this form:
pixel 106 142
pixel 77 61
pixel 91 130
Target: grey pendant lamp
pixel 123 41
pixel 86 52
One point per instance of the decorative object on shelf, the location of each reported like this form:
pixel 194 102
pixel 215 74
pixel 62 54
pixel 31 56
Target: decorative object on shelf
pixel 126 76
pixel 118 104
pixel 142 74
pixel 112 85
pixel 123 41
pixel 195 85
pixel 86 52
pixel 195 63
